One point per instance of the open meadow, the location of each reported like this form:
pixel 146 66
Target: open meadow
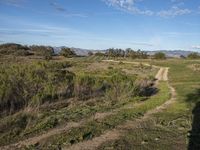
pixel 99 75
pixel 98 103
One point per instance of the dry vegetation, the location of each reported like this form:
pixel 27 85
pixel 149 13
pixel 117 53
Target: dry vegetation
pixel 38 95
pixel 85 102
pixel 195 67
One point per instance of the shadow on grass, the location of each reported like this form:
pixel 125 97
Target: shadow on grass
pixel 194 138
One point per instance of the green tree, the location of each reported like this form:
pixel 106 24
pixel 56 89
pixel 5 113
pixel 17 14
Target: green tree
pixel 45 51
pixel 67 52
pixel 90 53
pixel 194 55
pixel 99 54
pixel 14 49
pixel 159 55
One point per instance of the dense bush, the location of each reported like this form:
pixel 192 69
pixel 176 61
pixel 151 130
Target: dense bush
pixel 90 53
pixel 32 85
pixel 100 54
pixel 46 51
pixel 14 49
pixel 159 55
pixel 194 55
pixel 67 52
pixel 121 86
pixel 84 87
pixel 19 50
pixel 115 85
pixel 126 53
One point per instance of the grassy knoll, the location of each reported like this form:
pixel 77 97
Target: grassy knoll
pixel 95 128
pixel 51 94
pixel 178 126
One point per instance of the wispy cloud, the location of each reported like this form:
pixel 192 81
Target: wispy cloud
pixel 196 47
pixel 64 12
pixel 181 33
pixel 57 6
pixel 42 30
pixel 143 44
pixel 174 11
pixel 39 29
pixel 199 10
pixel 16 3
pixel 130 7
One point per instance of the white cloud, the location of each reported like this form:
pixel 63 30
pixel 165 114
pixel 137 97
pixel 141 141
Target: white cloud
pixel 142 44
pixel 130 6
pixel 121 3
pixel 180 34
pixel 196 47
pixel 176 1
pixel 174 11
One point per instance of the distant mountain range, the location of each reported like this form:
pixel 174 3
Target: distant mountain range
pixel 79 51
pixel 169 53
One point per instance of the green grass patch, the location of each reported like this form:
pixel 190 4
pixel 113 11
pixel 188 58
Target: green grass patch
pixel 95 128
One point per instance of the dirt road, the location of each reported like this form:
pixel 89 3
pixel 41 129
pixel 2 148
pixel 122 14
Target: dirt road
pixel 115 134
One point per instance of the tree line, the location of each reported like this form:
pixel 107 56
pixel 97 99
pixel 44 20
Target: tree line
pixel 47 52
pixel 129 53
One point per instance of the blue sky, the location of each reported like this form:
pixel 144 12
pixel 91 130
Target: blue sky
pixel 101 24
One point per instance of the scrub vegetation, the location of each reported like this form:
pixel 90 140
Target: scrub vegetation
pixel 70 102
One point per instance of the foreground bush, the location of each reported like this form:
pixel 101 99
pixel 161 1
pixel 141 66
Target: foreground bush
pixel 114 86
pixel 14 49
pixel 32 85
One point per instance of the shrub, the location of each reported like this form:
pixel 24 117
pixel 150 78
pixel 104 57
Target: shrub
pixel 159 55
pixel 88 86
pixel 90 53
pixel 67 52
pixel 32 85
pixel 99 54
pixel 121 86
pixel 14 49
pixel 45 51
pixel 194 55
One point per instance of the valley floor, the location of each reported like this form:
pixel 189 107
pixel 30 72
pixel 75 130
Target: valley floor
pixel 167 120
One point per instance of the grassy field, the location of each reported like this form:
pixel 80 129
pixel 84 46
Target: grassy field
pixel 71 90
pixel 83 99
pixel 178 126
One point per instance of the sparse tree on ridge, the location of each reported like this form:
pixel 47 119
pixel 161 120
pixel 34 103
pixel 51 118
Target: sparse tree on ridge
pixel 67 52
pixel 194 55
pixel 159 55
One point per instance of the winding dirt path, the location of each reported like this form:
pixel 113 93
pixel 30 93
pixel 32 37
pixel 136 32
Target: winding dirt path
pixel 130 62
pixel 116 133
pixel 162 74
pixel 109 135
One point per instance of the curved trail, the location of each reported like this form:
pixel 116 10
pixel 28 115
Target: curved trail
pixel 130 62
pixel 162 75
pixel 115 134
